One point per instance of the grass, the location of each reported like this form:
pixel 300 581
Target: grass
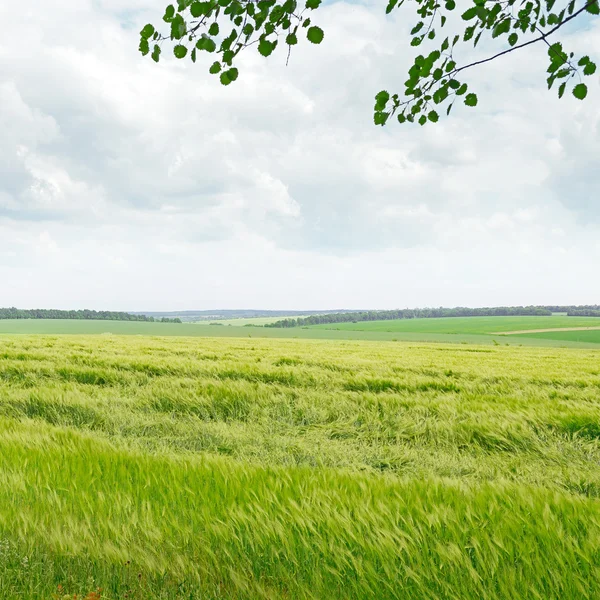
pixel 254 468
pixel 418 333
pixel 466 325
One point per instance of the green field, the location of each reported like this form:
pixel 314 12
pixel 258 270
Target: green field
pixel 466 325
pixel 587 337
pixel 215 468
pixel 470 330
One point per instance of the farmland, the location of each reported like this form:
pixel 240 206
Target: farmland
pixel 588 337
pixel 467 325
pixel 170 467
pixel 470 330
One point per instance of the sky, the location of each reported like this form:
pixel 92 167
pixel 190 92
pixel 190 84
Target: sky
pixel 126 185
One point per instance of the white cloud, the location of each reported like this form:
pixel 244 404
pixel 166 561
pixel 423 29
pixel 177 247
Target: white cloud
pixel 124 184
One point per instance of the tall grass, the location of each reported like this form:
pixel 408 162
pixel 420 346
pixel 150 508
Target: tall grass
pixel 163 468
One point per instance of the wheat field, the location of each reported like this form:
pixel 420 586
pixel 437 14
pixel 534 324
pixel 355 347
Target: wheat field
pixel 138 467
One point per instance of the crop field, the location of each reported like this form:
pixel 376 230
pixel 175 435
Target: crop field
pixel 217 468
pixel 469 325
pixel 588 337
pixel 470 330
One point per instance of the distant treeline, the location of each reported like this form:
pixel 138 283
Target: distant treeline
pixel 82 315
pixel 429 313
pixel 195 316
pixel 584 312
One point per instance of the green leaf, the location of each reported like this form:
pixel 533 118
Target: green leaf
pixel 554 49
pixel 593 9
pixel 461 90
pixel 470 13
pixel 276 14
pixel 315 34
pixel 401 118
pixel 156 53
pixel 206 43
pixel 291 39
pixel 422 120
pixel 224 78
pixel 589 69
pixel 313 4
pixel 265 47
pixel 471 100
pixel 580 91
pixel 561 89
pixel 513 38
pixel 380 118
pixel 178 27
pixel 232 74
pixel 215 68
pixel 417 28
pixel 290 6
pixel 169 13
pixel 502 27
pixel 147 32
pixel 213 29
pixel 381 99
pixel 180 51
pixel 193 55
pixel 433 116
pixel 454 84
pixel 144 47
pixel 450 5
pixel 196 9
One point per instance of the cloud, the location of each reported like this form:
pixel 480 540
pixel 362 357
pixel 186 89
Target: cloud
pixel 130 184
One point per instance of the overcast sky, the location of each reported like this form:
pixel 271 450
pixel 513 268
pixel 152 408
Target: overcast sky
pixel 135 186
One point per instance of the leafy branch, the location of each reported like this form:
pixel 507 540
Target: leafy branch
pixel 225 27
pixel 433 78
pixel 197 26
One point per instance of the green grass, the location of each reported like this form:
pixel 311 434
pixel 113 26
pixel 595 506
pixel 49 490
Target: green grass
pixel 418 333
pixel 280 469
pixel 466 325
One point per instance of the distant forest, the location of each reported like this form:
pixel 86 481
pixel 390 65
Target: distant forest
pixel 430 313
pixel 82 315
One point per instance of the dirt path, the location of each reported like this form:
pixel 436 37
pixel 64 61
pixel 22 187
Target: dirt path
pixel 545 330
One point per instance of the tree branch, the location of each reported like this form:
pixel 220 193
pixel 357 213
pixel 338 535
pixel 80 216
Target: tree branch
pixel 538 39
